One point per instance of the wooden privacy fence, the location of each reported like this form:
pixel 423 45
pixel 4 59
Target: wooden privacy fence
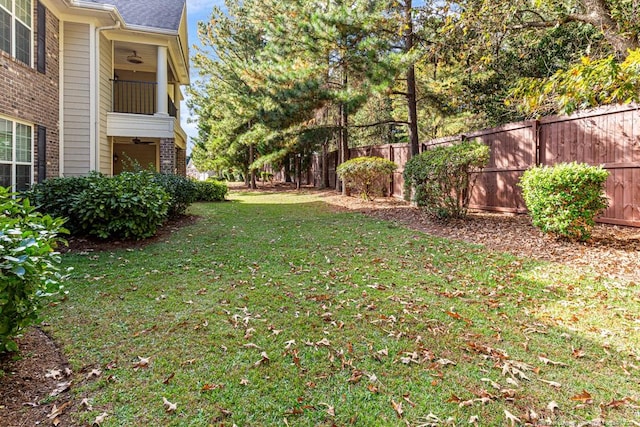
pixel 608 136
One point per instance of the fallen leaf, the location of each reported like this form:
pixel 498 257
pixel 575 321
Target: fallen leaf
pixel 330 409
pixel 87 405
pixel 617 403
pixel 551 383
pixel 244 381
pixel 474 419
pixel 511 418
pixel 60 388
pixel 584 397
pixel 264 360
pixel 166 381
pixel 143 362
pixel 94 373
pixel 550 362
pixel 209 387
pixel 553 406
pixel 397 406
pixel 355 377
pixel 168 406
pixel 55 374
pixel 57 410
pixel 578 353
pixel 100 419
pixel 324 342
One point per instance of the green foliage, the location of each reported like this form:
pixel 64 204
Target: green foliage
pixel 28 264
pixel 211 190
pixel 130 205
pixel 56 196
pixel 588 84
pixel 564 199
pixel 181 190
pixel 440 178
pixel 368 175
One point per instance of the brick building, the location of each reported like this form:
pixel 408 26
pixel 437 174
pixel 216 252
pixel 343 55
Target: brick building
pixel 90 85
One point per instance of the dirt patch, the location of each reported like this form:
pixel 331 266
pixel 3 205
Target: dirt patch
pixel 85 244
pixel 29 380
pixel 613 251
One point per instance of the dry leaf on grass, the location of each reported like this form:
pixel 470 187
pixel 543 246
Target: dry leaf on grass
pixel 100 419
pixel 168 406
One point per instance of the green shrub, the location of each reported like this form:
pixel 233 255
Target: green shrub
pixel 369 176
pixel 181 190
pixel 55 196
pixel 564 199
pixel 211 190
pixel 28 264
pixel 129 205
pixel 440 178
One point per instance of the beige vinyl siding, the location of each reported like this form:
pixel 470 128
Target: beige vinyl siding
pixel 105 75
pixel 77 99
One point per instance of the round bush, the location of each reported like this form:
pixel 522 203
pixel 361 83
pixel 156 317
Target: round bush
pixel 181 190
pixel 563 200
pixel 367 175
pixel 440 178
pixel 130 206
pixel 211 190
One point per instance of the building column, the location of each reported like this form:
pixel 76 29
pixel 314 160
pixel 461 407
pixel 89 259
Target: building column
pixel 177 95
pixel 162 87
pixel 167 156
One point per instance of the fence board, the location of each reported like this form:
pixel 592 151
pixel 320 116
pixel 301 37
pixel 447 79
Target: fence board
pixel 608 136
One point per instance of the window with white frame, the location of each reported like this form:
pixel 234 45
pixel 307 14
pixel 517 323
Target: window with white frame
pixel 16 154
pixel 16 29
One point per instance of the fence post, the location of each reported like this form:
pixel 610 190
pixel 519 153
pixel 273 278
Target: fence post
pixel 392 182
pixel 535 130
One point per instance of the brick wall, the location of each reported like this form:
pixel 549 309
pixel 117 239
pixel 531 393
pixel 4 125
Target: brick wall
pixel 181 161
pixel 167 156
pixel 33 97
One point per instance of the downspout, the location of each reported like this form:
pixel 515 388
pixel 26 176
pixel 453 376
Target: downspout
pixel 96 90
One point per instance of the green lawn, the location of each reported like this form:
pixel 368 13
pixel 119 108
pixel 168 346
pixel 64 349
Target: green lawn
pixel 274 310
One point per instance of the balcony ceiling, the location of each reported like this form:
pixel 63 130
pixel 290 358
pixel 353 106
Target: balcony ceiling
pixel 148 53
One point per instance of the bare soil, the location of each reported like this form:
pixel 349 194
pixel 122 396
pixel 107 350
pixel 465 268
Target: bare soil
pixel 613 251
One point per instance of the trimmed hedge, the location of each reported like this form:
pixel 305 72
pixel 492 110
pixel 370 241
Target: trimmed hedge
pixel 440 178
pixel 130 205
pixel 182 192
pixel 211 190
pixel 370 176
pixel 563 200
pixel 28 264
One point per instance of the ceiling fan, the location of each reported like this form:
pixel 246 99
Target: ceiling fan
pixel 139 141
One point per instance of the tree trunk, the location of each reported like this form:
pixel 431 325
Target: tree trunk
pixel 598 14
pixel 298 166
pixel 412 104
pixel 252 171
pixel 325 164
pixel 287 168
pixel 344 132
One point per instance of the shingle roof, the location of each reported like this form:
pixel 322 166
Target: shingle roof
pixel 163 14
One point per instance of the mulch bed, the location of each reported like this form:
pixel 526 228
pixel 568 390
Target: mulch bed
pixel 613 251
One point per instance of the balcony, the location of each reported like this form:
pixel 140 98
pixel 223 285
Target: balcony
pixel 135 97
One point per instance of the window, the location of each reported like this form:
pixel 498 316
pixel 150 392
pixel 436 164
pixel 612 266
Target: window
pixel 16 154
pixel 16 29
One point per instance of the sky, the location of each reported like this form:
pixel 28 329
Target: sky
pixel 197 10
pixel 200 10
